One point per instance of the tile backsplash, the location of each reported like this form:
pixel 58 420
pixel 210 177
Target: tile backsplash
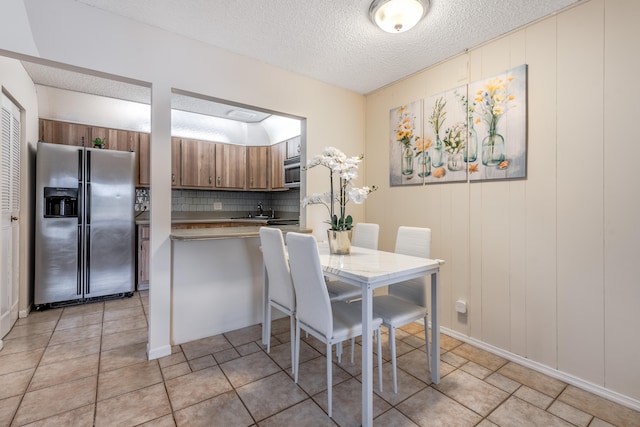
pixel 230 201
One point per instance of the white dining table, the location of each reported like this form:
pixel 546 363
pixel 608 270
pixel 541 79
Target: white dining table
pixel 369 269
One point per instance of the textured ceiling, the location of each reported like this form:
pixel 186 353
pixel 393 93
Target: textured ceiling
pixel 333 40
pixel 329 40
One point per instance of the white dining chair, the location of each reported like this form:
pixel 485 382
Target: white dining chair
pixel 330 322
pixel 406 301
pixel 364 235
pixel 281 292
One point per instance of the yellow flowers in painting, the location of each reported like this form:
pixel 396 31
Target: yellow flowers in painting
pixel 492 102
pixel 405 126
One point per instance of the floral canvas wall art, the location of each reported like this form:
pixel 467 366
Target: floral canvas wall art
pixel 405 136
pixel 498 106
pixel 445 132
pixel 474 132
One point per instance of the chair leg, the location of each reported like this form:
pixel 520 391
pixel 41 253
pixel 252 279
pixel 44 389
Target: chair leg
pixel 353 346
pixel 296 356
pixel 293 339
pixel 268 327
pixel 338 352
pixel 392 347
pixel 329 379
pixel 426 340
pixel 379 339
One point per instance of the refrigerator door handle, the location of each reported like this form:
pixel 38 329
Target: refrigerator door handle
pixel 87 224
pixel 88 201
pixel 80 166
pixel 88 166
pixel 87 269
pixel 79 264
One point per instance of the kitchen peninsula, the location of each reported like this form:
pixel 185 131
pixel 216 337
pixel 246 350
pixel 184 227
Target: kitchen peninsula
pixel 217 280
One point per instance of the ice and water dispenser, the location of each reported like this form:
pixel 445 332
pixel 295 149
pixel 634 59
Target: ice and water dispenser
pixel 60 202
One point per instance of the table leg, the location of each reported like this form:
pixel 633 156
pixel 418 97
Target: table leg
pixel 265 304
pixel 367 357
pixel 435 328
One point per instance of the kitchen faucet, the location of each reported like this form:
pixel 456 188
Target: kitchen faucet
pixel 260 207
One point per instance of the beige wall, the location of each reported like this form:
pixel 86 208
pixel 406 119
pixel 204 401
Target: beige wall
pixel 547 265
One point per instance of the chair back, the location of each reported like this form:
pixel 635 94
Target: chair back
pixel 275 260
pixel 413 241
pixel 312 297
pixel 365 235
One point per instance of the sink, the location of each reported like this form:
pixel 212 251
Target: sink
pixel 254 217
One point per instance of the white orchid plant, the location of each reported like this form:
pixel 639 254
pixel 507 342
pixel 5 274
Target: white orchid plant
pixel 346 170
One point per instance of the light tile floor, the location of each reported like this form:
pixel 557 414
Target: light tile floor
pixel 86 365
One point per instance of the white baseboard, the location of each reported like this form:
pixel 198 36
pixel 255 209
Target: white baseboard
pixel 156 353
pixel 24 313
pixel 554 373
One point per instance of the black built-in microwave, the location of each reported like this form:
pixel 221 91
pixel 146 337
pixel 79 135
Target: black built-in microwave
pixel 292 172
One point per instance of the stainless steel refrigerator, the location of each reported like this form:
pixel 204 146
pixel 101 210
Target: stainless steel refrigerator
pixel 84 237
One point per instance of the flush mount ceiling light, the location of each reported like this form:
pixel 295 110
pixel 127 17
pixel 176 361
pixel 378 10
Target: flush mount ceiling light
pixel 397 16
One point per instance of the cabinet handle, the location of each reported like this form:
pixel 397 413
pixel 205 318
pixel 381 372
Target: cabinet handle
pixel 14 218
pixel 219 181
pixel 210 180
pixel 173 178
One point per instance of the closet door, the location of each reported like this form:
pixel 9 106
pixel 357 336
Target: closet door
pixel 9 213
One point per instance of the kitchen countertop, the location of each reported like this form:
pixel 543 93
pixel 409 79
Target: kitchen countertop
pixel 213 217
pixel 228 232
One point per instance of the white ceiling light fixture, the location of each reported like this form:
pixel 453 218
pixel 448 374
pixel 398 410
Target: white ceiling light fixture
pixel 397 16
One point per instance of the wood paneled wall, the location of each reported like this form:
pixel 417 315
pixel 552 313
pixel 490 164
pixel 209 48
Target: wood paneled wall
pixel 548 265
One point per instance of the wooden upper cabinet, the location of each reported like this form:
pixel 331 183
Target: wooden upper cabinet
pixel 197 163
pixel 258 168
pixel 230 166
pixel 64 133
pixel 143 155
pixel 122 140
pixel 293 147
pixel 278 154
pixel 97 132
pixel 176 163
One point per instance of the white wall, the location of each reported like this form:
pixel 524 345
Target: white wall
pixel 77 107
pixel 15 81
pixel 548 265
pixel 136 51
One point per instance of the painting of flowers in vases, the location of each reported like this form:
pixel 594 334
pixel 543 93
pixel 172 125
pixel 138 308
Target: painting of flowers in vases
pixel 446 124
pixel 498 111
pixel 406 142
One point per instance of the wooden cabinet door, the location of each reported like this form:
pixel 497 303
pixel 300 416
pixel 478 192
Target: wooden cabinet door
pixel 176 162
pixel 98 132
pixel 230 166
pixel 276 172
pixel 143 155
pixel 258 168
pixel 293 147
pixel 64 133
pixel 122 140
pixel 197 163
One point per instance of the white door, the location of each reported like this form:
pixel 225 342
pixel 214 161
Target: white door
pixel 9 213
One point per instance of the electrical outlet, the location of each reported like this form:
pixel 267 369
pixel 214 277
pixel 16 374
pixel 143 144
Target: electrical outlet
pixel 217 206
pixel 461 306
